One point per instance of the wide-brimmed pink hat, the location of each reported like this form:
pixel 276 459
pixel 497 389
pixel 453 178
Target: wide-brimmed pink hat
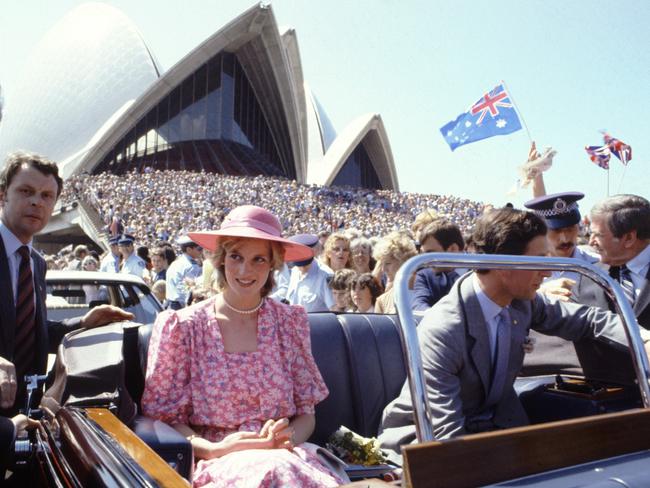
pixel 255 223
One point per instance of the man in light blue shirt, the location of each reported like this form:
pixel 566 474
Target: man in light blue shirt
pixel 182 273
pixel 111 262
pixel 131 262
pixel 309 280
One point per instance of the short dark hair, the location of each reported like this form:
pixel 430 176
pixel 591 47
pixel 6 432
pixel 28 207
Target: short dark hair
pixel 443 231
pixel 167 248
pixel 185 247
pixel 367 280
pixel 342 279
pixel 16 160
pixel 143 253
pixel 506 231
pixel 625 213
pixel 160 252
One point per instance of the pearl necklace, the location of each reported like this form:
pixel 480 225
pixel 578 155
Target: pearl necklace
pixel 243 312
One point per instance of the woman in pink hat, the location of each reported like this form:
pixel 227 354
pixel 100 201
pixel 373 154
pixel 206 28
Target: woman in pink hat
pixel 235 373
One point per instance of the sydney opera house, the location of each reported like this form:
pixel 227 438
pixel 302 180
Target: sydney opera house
pixel 94 98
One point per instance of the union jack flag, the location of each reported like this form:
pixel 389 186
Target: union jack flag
pixel 618 148
pixel 599 155
pixel 492 115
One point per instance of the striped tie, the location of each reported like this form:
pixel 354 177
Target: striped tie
pixel 627 284
pixel 25 319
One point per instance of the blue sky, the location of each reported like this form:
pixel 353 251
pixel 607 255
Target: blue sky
pixel 573 68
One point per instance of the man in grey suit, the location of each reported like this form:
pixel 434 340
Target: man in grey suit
pixel 620 232
pixel 620 227
pixel 472 341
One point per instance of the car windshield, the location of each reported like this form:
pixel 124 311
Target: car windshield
pixel 73 299
pixel 143 305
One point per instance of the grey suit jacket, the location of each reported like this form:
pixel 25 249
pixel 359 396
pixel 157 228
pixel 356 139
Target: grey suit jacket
pixel 590 293
pixel 456 359
pixel 48 333
pixel 599 360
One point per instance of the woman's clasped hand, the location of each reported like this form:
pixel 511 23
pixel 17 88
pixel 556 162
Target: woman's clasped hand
pixel 275 434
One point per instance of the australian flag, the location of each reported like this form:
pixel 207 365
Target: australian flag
pixel 493 115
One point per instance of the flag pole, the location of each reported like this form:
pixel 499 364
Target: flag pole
pixel 514 105
pixel 608 181
pixel 620 183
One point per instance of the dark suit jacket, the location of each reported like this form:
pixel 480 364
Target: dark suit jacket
pixel 6 443
pixel 430 287
pixel 48 334
pixel 457 361
pixel 598 360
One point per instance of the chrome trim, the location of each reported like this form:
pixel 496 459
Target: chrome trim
pixel 413 359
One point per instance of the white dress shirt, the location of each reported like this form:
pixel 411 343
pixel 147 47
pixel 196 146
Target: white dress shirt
pixel 638 267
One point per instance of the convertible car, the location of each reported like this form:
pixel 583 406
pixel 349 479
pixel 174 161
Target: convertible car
pixel 583 432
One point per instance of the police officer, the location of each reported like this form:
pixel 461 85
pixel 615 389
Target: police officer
pixel 562 216
pixel 184 270
pixel 111 262
pixel 131 262
pixel 560 210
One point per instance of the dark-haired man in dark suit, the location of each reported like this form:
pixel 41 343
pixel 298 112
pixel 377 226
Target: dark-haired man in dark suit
pixel 433 284
pixel 29 188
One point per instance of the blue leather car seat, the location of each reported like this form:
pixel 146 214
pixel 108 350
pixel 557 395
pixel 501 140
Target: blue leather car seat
pixel 360 358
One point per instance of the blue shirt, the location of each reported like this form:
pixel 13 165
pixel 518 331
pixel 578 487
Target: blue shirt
pixel 311 290
pixel 133 265
pixel 491 313
pixel 579 254
pixel 110 263
pixel 182 268
pixel 281 283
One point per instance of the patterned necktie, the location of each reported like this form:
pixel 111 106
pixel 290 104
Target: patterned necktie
pixel 625 278
pixel 500 369
pixel 25 318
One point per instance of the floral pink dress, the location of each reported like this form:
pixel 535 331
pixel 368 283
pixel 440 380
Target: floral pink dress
pixel 192 380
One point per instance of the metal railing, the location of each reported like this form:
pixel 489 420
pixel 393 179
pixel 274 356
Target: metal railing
pixel 421 412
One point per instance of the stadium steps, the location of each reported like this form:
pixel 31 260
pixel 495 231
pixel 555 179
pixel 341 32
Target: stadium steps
pixel 92 224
